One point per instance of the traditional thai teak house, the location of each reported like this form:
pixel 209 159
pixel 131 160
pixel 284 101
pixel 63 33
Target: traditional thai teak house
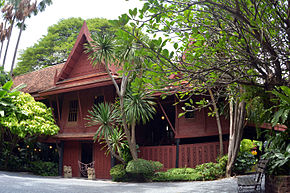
pixel 73 87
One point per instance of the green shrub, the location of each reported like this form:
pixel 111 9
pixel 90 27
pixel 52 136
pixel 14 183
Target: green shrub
pixel 156 165
pixel 142 170
pixel 176 171
pixel 176 176
pixel 118 173
pixel 247 145
pixel 207 171
pixel 44 168
pixel 245 161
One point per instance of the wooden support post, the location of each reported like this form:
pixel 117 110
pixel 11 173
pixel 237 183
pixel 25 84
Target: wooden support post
pixel 169 122
pixel 60 160
pixel 58 110
pixel 112 161
pixel 177 153
pixel 81 114
pixel 50 104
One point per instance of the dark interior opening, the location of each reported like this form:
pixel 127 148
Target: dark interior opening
pixel 87 153
pixel 157 131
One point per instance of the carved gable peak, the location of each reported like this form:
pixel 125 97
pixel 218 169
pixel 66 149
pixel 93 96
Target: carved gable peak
pixel 76 53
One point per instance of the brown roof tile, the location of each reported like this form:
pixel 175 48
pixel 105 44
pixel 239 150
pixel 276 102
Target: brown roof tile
pixel 38 80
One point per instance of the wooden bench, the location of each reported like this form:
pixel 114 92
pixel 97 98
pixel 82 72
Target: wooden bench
pixel 246 184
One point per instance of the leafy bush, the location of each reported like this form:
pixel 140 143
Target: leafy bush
pixel 245 159
pixel 207 171
pixel 246 145
pixel 156 165
pixel 278 154
pixel 142 170
pixel 118 173
pixel 44 168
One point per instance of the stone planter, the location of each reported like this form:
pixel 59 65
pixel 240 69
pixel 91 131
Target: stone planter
pixel 277 184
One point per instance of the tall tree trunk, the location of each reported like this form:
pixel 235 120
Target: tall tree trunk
pixel 132 147
pixel 121 93
pixel 133 138
pixel 16 47
pixel 8 41
pixel 237 123
pixel 2 43
pixel 218 121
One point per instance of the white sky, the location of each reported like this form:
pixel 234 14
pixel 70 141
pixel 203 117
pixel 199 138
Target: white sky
pixel 37 25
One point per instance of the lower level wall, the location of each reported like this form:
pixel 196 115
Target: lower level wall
pixel 72 154
pixel 190 155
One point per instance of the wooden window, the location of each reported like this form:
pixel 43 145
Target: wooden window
pixel 98 100
pixel 73 111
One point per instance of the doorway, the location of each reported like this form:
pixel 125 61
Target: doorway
pixel 87 153
pixel 86 158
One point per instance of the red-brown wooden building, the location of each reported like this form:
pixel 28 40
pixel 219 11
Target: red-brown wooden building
pixel 73 87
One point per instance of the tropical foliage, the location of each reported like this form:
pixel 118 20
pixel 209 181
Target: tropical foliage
pixel 21 118
pixel 246 158
pixel 219 45
pixel 278 146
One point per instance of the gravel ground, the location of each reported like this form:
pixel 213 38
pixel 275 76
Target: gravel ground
pixel 11 182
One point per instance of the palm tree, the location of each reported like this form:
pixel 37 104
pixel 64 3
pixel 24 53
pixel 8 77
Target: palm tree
pixel 24 10
pixel 14 4
pixel 5 33
pixel 106 117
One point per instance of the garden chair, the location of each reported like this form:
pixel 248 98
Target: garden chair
pixel 247 184
pixel 84 167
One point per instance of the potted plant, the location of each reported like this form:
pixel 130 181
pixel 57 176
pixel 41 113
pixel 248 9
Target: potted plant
pixel 277 147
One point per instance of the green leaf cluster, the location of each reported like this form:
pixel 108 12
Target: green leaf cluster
pixel 29 118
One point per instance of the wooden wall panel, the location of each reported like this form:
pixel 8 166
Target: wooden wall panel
pixel 86 102
pixel 102 162
pixel 164 154
pixel 84 67
pixel 200 126
pixel 71 155
pixel 191 155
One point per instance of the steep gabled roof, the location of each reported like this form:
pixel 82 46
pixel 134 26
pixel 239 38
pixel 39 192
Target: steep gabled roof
pixel 76 73
pixel 83 37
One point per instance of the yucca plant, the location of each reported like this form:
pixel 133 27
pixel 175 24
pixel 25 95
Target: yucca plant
pixel 106 117
pixel 117 141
